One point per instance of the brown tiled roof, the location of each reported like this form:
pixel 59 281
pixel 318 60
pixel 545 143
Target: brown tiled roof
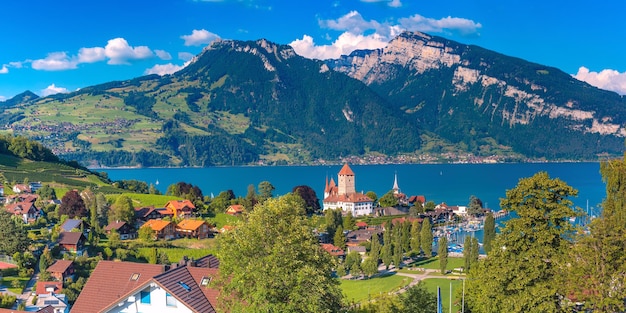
pixel 43 285
pixel 332 249
pixel 354 198
pixel 188 224
pixel 346 170
pixel 46 309
pixel 205 273
pixel 111 281
pixel 11 311
pixel 60 266
pixel 70 238
pixel 114 225
pixel 180 283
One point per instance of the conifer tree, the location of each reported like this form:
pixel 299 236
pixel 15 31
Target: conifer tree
pixel 442 254
pixel 387 245
pixel 375 248
pixel 489 232
pixel 416 227
pixel 427 238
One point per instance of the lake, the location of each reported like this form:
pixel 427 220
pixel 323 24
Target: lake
pixel 449 183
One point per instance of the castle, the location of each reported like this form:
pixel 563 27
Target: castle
pixel 344 196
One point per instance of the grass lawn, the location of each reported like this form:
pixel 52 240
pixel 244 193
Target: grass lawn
pixel 7 282
pixel 359 290
pixel 176 254
pixel 443 283
pixel 433 263
pixel 222 219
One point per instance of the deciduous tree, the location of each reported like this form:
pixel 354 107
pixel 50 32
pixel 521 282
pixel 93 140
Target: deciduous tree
pixel 416 227
pixel 426 238
pixel 72 205
pixel 257 276
pixel 489 232
pixel 122 210
pixel 13 235
pixel 442 254
pixel 520 273
pixel 311 201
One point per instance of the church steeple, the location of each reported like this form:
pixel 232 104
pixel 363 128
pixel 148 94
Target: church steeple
pixel 396 189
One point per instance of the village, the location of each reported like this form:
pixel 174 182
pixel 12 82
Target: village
pixel 66 253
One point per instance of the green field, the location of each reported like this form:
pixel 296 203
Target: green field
pixel 222 219
pixel 433 263
pixel 362 290
pixel 444 283
pixel 144 200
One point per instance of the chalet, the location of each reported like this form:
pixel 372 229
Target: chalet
pixel 193 229
pixel 152 213
pixel 72 242
pixel 125 230
pixel 47 287
pixel 344 196
pixel 141 287
pixel 181 208
pixel 235 210
pixel 333 250
pixel 27 211
pixel 162 229
pixel 61 270
pixel 361 225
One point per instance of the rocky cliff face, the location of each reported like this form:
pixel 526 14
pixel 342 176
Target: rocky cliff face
pixel 504 90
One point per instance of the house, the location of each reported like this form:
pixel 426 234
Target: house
pixel 333 250
pixel 61 270
pixel 25 210
pixel 72 242
pixel 226 228
pixel 140 287
pixel 162 229
pixel 152 213
pixel 344 196
pixel 360 249
pixel 46 287
pixel 74 225
pixel 21 188
pixel 125 230
pixel 34 186
pixel 361 225
pixel 56 301
pixel 193 229
pixel 181 208
pixel 235 210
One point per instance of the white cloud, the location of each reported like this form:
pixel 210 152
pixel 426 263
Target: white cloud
pixel 199 37
pixel 55 61
pixel 185 56
pixel 4 69
pixel 359 33
pixel 120 52
pixel 91 55
pixel 606 79
pixel 431 25
pixel 3 98
pixel 164 69
pixel 163 55
pixel 53 89
pixel 391 3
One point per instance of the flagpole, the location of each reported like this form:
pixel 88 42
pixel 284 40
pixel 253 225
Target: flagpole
pixel 463 302
pixel 450 296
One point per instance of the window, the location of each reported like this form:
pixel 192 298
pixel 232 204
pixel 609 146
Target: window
pixel 170 300
pixel 134 276
pixel 145 297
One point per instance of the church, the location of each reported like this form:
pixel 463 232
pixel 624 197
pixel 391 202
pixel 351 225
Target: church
pixel 343 195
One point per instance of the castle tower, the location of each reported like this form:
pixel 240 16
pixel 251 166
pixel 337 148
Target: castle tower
pixel 347 185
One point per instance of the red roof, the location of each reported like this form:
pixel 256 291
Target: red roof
pixel 56 287
pixel 188 224
pixel 361 224
pixel 156 225
pixel 354 198
pixel 60 266
pixel 332 249
pixel 346 170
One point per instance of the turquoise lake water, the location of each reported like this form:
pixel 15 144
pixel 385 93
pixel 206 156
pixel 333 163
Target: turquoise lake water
pixel 449 183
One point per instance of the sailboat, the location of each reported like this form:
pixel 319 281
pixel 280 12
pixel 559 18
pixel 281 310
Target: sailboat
pixel 157 182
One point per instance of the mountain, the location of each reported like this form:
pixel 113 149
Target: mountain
pixel 257 102
pixel 23 97
pixel 476 97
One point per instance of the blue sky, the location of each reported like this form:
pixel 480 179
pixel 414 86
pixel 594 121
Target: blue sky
pixel 49 47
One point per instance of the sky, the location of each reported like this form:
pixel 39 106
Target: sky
pixel 50 47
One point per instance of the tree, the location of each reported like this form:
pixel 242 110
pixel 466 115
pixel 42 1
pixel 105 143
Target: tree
pixel 348 222
pixel 339 239
pixel 416 209
pixel 46 192
pixel 353 263
pixel 14 237
pixel 397 245
pixel 72 205
pixel 333 220
pixel 417 299
pixel 388 199
pixel 489 232
pixel 429 206
pixel 102 210
pixel 251 198
pixel 255 274
pixel 442 254
pixel 416 227
pixel 426 238
pixel 475 206
pixel 375 248
pixel 597 264
pixel 312 203
pixel 266 190
pixel 372 195
pixel 467 254
pixel 369 266
pixel 222 201
pixel 522 270
pixel 122 210
pixel 387 245
pixel 146 234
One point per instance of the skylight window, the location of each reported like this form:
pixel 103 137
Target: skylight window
pixel 205 281
pixel 134 276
